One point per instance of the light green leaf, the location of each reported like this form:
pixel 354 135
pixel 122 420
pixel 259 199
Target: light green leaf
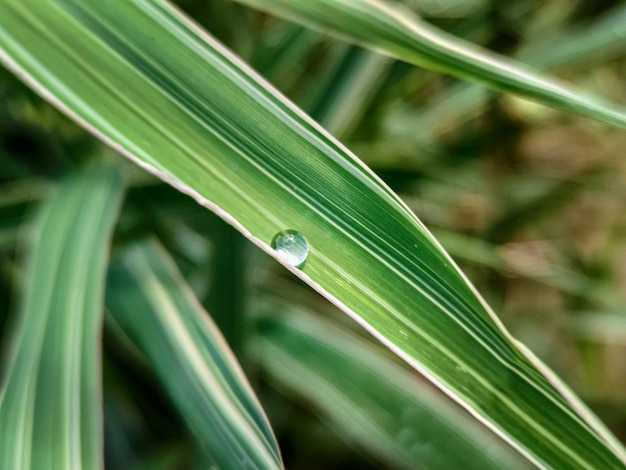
pixel 370 399
pixel 50 414
pixel 396 31
pixel 168 96
pixel 153 305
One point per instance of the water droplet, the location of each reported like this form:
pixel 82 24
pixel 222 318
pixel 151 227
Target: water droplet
pixel 291 247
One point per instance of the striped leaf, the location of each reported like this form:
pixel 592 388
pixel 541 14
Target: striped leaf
pixel 168 96
pixel 153 305
pixel 50 415
pixel 397 32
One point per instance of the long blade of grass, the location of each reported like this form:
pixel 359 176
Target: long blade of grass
pixel 599 40
pixel 50 414
pixel 171 98
pixel 370 399
pixel 151 302
pixel 396 31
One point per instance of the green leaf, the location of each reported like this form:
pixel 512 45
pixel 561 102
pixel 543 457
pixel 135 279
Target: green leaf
pixel 397 32
pixel 601 39
pixel 168 96
pixel 151 302
pixel 50 415
pixel 371 400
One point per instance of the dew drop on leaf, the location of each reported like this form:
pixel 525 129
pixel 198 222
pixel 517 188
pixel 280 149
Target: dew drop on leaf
pixel 291 246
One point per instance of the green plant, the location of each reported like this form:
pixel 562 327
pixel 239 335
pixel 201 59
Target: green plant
pixel 159 90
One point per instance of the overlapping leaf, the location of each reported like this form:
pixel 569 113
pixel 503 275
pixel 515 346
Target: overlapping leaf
pixel 168 96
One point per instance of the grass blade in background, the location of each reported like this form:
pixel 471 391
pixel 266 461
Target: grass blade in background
pixel 395 31
pixel 371 400
pixel 600 40
pixel 344 95
pixel 151 84
pixel 150 301
pixel 50 414
pixel 463 247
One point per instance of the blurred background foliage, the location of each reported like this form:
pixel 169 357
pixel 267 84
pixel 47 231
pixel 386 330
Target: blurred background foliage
pixel 529 201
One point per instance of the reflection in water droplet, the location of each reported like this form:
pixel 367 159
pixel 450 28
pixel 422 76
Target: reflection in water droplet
pixel 291 247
